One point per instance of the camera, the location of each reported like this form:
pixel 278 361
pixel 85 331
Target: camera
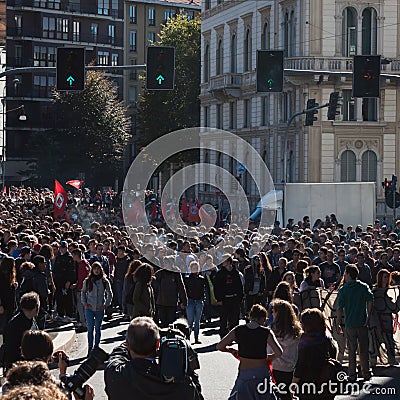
pixel 74 383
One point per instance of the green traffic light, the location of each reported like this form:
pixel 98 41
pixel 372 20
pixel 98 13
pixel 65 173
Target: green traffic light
pixel 270 82
pixel 160 79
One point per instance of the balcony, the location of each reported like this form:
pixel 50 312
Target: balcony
pixel 224 86
pixel 339 64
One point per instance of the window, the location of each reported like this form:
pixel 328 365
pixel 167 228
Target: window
pixel 349 34
pixel 94 30
pixel 207 63
pixel 247 51
pixel 219 122
pixel 103 7
pixel 233 54
pixel 286 106
pixel 169 13
pixel 265 111
pixel 349 109
pixel 76 31
pixel 151 38
pixel 18 24
pixel 206 116
pixel 207 4
pixel 219 58
pixel 111 34
pixel 369 109
pixel 18 55
pixel 103 57
pixel 369 31
pixel 44 56
pixel 49 27
pixel 42 85
pixel 369 164
pixel 54 4
pixel 132 14
pixel 247 113
pixel 233 115
pixel 265 37
pixel 348 166
pixel 132 94
pixel 114 59
pixel 190 15
pixel 62 28
pixel 132 72
pixel 152 16
pixel 132 40
pixel 289 34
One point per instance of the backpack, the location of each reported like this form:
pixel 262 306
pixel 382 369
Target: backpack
pixel 174 366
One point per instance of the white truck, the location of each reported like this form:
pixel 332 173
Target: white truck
pixel 353 203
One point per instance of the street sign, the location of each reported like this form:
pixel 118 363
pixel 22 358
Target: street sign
pixel 241 168
pixel 70 68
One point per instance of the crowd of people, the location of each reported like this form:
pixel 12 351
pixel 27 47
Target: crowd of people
pixel 88 267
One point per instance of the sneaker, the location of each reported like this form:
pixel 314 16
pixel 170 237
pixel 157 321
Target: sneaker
pixel 197 341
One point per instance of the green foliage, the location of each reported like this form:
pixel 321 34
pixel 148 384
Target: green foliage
pixel 161 112
pixel 91 132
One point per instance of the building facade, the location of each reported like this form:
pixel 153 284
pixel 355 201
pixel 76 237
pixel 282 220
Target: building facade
pixel 34 31
pixel 143 23
pixel 362 144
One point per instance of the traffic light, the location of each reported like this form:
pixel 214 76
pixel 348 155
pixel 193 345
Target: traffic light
pixel 160 68
pixel 70 68
pixel 270 71
pixel 394 182
pixel 334 106
pixel 310 115
pixel 366 74
pixel 386 185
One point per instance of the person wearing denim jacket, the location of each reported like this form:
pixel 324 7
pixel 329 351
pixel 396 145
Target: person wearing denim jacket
pixel 96 296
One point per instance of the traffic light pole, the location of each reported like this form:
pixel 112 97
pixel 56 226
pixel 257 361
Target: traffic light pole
pixel 53 69
pixel 285 143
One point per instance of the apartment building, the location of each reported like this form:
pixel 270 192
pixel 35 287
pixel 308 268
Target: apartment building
pixel 318 35
pixel 143 22
pixel 35 28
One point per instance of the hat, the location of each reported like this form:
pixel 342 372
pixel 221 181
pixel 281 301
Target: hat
pixel 63 244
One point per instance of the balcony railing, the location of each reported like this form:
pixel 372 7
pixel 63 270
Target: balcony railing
pixel 225 81
pixel 78 8
pixel 30 31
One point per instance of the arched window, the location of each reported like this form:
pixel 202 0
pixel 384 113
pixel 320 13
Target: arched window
pixel 369 163
pixel 247 51
pixel 286 35
pixel 369 31
pixel 219 59
pixel 292 35
pixel 349 34
pixel 207 64
pixel 348 166
pixel 233 53
pixel 265 37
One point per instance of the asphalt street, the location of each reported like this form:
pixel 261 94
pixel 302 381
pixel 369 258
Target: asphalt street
pixel 218 370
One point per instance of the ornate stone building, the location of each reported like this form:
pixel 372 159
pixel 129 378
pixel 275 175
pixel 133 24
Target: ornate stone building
pixel 319 39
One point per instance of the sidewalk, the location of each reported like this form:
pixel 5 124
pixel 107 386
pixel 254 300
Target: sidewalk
pixel 63 336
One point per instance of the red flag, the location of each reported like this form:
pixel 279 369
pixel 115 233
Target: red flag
pixel 136 213
pixel 60 199
pixel 206 217
pixel 76 183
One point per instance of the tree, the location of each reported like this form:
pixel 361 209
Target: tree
pixel 161 112
pixel 91 131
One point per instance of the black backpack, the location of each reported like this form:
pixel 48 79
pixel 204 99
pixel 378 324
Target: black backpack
pixel 174 365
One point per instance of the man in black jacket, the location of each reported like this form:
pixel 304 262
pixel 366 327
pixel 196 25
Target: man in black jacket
pixel 228 289
pixel 21 322
pixel 64 273
pixel 132 371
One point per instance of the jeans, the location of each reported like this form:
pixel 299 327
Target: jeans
pixel 358 337
pixel 118 287
pixel 94 320
pixel 193 313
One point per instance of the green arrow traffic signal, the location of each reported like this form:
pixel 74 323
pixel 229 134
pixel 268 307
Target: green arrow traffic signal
pixel 160 79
